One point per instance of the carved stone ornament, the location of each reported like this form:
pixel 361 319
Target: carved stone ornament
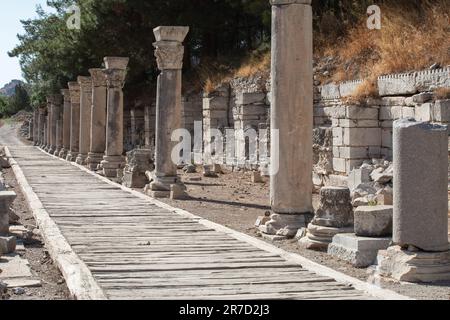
pixel 169 55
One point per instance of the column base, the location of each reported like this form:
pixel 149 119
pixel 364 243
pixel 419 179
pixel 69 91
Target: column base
pixel 111 165
pixel 57 151
pixel 51 150
pixel 284 226
pixel 81 159
pixel 63 153
pixel 165 187
pixel 413 266
pixel 93 160
pixel 319 237
pixel 72 156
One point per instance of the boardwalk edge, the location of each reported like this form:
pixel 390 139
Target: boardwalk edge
pixel 79 279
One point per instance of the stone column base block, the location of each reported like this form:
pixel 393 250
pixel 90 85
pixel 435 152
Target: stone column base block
pixel 63 153
pixel 319 237
pixel 134 179
pixel 6 198
pixel 417 266
pixel 93 160
pixel 157 194
pixel 111 165
pixel 57 152
pixel 178 192
pixel 361 252
pixel 373 221
pixel 72 156
pixel 51 150
pixel 284 226
pixel 81 159
pixel 7 245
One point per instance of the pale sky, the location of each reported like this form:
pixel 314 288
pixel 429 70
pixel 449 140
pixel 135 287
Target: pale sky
pixel 11 12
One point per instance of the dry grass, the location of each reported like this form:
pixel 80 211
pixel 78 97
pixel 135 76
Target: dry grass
pixel 442 93
pixel 254 65
pixel 410 39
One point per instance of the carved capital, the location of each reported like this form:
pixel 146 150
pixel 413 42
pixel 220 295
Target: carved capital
pixel 98 77
pixel 66 94
pixel 169 55
pixel 85 84
pixel 74 89
pixel 115 78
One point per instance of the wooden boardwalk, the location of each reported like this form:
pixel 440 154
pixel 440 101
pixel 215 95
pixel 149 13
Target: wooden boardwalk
pixel 135 248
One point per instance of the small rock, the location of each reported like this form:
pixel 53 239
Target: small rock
pixel 382 175
pixel 190 169
pixel 435 66
pixel 19 291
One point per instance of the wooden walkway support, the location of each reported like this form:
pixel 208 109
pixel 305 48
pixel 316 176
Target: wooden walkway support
pixel 114 243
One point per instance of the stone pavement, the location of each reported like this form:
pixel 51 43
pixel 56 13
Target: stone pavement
pixel 113 243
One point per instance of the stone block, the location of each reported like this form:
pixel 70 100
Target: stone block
pixel 420 185
pixel 398 84
pixel 357 177
pixel 362 137
pixel 393 101
pixel 391 113
pixel 386 124
pixel 361 252
pixel 338 137
pixel 354 152
pixel 351 164
pixel 177 192
pixel 215 103
pixel 424 112
pixel 441 111
pixel 7 245
pixel 422 97
pixel 373 221
pixel 408 112
pixel 244 98
pixel 256 177
pixel 429 80
pixel 336 181
pixel 339 165
pixel 348 88
pixel 330 91
pixel 348 123
pixel 338 112
pixel 361 113
pixel 374 152
pixel 386 138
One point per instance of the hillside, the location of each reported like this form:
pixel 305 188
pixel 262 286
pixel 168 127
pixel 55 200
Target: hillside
pixel 9 89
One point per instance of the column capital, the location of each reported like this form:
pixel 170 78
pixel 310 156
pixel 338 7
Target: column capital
pixel 74 88
pixel 169 50
pixel 288 2
pixel 115 78
pixel 85 83
pixel 66 94
pixel 120 63
pixel 98 77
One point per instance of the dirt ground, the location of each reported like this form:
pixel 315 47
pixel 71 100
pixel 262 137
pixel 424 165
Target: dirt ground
pixel 53 284
pixel 234 201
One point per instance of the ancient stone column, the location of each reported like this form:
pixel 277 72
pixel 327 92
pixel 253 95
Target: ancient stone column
pixel 169 55
pixel 113 159
pixel 420 223
pixel 291 117
pixel 74 89
pixel 48 127
pixel 65 124
pixel 41 126
pixel 56 126
pixel 36 127
pixel 85 118
pixel 98 119
pixel 45 141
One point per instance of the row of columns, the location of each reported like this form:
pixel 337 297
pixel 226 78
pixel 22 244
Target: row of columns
pixel 94 108
pixel 84 124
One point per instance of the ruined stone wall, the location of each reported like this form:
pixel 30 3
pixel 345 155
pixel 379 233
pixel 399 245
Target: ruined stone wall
pixel 363 131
